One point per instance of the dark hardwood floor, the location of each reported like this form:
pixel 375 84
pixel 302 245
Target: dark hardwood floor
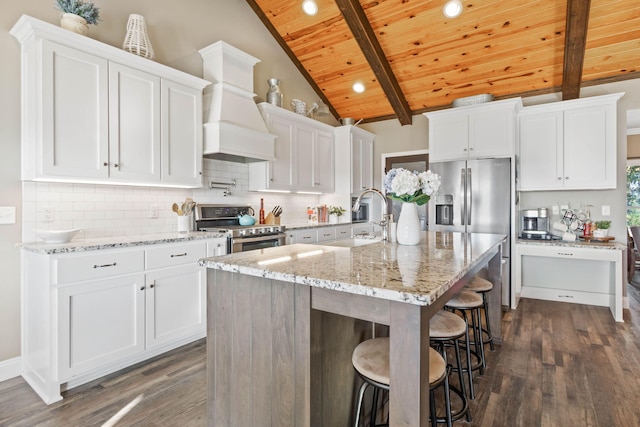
pixel 560 365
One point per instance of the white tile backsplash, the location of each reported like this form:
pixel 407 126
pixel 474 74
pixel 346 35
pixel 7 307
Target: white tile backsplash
pixel 110 210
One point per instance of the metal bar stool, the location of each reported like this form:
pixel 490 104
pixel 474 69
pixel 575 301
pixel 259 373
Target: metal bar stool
pixel 482 286
pixel 445 330
pixel 468 303
pixel 371 361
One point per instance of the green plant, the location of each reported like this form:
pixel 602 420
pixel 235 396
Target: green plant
pixel 336 210
pixel 88 11
pixel 603 225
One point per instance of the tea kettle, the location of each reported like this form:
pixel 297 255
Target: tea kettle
pixel 246 218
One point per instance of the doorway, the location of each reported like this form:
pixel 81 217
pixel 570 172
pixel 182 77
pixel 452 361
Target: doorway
pixel 414 161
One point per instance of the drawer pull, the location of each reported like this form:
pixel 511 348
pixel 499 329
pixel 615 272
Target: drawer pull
pixel 177 255
pixel 565 296
pixel 142 288
pixel 326 235
pixel 306 237
pixel 104 265
pixel 151 286
pixel 565 254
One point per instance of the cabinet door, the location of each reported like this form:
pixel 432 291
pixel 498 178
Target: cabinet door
pixel 279 174
pixel 323 162
pixel 74 113
pixel 541 151
pixel 589 153
pixel 491 133
pixel 100 322
pixel 181 140
pixel 175 304
pixel 362 161
pixel 134 125
pixel 448 137
pixel 304 157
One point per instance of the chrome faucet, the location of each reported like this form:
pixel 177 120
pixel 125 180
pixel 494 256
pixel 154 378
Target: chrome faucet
pixel 386 218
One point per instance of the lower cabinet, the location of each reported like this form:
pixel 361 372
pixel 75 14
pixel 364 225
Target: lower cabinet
pixel 86 314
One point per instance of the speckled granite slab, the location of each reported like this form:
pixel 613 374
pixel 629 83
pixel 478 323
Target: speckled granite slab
pixel 82 245
pixel 576 244
pixel 412 274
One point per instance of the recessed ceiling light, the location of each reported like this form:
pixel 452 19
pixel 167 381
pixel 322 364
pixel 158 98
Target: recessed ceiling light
pixel 452 8
pixel 358 87
pixel 310 7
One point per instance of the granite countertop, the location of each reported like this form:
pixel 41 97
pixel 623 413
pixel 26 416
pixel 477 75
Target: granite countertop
pixel 99 243
pixel 412 274
pixel 613 245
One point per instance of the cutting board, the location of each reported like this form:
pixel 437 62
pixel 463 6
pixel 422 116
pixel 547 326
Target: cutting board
pixel 597 239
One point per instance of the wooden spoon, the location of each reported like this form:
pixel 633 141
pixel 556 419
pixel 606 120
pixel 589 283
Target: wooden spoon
pixel 174 208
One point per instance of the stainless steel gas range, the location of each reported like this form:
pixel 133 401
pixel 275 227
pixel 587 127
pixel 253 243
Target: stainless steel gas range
pixel 240 238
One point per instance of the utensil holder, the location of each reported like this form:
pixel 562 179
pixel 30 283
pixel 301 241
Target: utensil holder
pixel 184 223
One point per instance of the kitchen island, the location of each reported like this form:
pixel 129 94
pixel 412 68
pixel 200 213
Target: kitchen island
pixel 268 352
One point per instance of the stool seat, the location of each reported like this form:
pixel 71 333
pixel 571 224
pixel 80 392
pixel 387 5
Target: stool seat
pixel 465 299
pixel 478 284
pixel 445 324
pixel 371 359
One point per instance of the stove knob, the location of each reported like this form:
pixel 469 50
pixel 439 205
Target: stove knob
pixel 269 230
pixel 242 232
pixel 260 230
pixel 252 231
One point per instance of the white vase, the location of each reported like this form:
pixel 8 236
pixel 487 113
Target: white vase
pixel 137 40
pixel 75 23
pixel 408 225
pixel 334 219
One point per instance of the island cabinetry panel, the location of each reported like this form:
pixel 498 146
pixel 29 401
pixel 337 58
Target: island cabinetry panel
pixel 484 130
pixel 569 145
pixel 354 159
pixel 87 314
pixel 304 149
pixel 95 113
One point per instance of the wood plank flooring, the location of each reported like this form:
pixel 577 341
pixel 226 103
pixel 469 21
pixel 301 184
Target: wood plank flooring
pixel 560 365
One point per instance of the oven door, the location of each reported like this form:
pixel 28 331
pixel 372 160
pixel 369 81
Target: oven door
pixel 243 244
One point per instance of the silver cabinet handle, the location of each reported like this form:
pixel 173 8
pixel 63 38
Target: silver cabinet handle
pixel 177 255
pixel 142 288
pixel 104 265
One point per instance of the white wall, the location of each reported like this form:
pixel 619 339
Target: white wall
pixel 177 31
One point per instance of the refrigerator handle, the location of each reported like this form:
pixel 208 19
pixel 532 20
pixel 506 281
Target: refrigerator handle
pixel 469 196
pixel 463 198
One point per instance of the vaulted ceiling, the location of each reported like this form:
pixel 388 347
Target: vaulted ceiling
pixel 412 59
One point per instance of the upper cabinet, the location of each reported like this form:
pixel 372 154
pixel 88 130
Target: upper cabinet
pixel 354 159
pixel 95 113
pixel 484 130
pixel 569 145
pixel 304 150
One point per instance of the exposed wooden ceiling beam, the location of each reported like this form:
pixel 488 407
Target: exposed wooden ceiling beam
pixel 361 28
pixel 574 46
pixel 274 32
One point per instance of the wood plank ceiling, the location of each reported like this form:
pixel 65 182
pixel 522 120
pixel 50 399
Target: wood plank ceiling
pixel 413 59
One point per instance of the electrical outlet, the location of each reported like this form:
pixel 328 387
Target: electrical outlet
pixel 48 213
pixel 564 207
pixel 153 211
pixel 554 210
pixel 7 214
pixel 606 210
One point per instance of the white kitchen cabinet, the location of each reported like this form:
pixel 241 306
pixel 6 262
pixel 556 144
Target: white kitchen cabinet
pixel 343 232
pixel 93 113
pixel 304 149
pixel 100 322
pixel 478 131
pixel 354 159
pixel 306 235
pixel 326 234
pixel 569 145
pixel 90 313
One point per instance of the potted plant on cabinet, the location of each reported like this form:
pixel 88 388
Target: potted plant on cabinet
pixel 602 229
pixel 77 15
pixel 335 212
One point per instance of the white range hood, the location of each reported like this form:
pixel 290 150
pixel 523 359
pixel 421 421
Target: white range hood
pixel 233 127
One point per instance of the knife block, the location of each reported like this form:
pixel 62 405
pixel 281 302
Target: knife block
pixel 271 219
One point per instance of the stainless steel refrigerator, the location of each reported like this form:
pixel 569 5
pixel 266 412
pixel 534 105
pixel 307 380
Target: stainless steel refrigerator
pixel 475 197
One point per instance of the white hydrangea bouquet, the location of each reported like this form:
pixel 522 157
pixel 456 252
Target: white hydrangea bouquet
pixel 412 187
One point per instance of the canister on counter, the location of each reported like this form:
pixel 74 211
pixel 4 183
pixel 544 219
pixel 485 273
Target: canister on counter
pixel 588 229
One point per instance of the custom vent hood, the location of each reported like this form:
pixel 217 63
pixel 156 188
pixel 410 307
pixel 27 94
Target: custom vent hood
pixel 233 127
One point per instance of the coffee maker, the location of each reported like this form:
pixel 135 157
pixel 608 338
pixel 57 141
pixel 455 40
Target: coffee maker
pixel 534 223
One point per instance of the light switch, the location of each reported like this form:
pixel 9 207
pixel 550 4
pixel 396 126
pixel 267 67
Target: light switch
pixel 606 210
pixel 7 214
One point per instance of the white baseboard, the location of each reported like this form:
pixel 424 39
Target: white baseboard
pixel 10 368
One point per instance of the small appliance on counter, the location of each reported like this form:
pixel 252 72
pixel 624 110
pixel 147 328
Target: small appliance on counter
pixel 240 238
pixel 534 224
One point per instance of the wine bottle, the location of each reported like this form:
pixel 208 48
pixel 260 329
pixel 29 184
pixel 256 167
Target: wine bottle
pixel 261 211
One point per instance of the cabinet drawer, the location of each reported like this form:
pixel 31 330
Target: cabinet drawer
pixel 88 267
pixel 177 254
pixel 343 232
pixel 326 234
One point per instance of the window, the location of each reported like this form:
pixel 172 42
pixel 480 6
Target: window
pixel 633 192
